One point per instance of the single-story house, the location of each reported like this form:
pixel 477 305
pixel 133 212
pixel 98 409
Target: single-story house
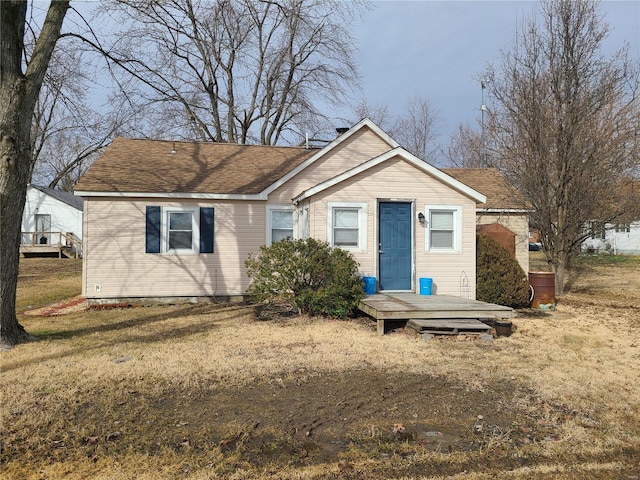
pixel 169 220
pixel 51 218
pixel 621 237
pixel 615 238
pixel 504 205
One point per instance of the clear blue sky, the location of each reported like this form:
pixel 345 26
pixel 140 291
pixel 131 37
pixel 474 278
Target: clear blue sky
pixel 438 49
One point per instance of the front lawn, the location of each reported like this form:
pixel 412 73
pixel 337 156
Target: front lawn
pixel 208 391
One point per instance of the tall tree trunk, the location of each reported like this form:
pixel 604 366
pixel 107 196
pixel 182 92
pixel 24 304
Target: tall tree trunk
pixel 561 269
pixel 18 94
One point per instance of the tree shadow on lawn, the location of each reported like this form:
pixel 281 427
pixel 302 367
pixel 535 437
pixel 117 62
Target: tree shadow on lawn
pixel 205 319
pixel 169 312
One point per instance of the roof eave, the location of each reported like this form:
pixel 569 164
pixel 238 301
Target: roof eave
pixel 173 195
pixel 504 210
pixel 49 192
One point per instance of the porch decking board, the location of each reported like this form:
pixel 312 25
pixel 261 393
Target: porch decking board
pixel 406 306
pixel 449 326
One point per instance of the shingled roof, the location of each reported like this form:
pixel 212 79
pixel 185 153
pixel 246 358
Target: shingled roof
pixel 159 166
pixel 501 195
pixel 64 197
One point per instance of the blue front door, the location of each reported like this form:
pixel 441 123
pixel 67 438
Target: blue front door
pixel 395 245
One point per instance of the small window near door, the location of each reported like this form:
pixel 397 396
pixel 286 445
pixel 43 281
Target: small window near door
pixel 347 225
pixel 443 229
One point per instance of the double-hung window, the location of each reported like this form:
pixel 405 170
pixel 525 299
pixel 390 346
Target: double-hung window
pixel 281 223
pixel 443 229
pixel 346 225
pixel 179 230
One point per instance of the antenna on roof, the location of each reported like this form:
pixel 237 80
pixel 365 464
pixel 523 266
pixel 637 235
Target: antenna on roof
pixel 173 149
pixel 306 141
pixel 483 108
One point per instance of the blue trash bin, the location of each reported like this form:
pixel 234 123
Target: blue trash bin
pixel 425 286
pixel 369 285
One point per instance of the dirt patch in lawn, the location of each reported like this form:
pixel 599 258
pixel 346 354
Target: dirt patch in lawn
pixel 304 420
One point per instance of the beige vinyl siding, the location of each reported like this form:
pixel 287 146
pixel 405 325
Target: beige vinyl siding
pixel 357 149
pixel 115 258
pixel 518 223
pixel 396 180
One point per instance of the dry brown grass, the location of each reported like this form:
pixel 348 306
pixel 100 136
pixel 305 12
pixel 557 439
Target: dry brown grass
pixel 207 391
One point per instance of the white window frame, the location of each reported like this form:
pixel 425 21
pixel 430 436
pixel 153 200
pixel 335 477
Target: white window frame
pixel 457 228
pixel 195 230
pixel 280 208
pixel 362 224
pixel 303 221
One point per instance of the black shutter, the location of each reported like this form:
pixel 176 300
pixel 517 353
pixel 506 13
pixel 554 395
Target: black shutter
pixel 152 236
pixel 206 230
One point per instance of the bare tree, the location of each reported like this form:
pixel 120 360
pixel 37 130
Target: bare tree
pixel 415 129
pixel 378 113
pixel 465 148
pixel 565 124
pixel 68 133
pixel 21 78
pixel 245 71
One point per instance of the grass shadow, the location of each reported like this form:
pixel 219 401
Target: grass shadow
pixel 169 313
pixel 202 312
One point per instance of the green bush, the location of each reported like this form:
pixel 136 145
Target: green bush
pixel 499 277
pixel 308 274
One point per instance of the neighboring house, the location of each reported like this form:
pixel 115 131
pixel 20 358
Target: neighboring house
pixel 169 220
pixel 618 239
pixel 622 237
pixel 504 205
pixel 51 219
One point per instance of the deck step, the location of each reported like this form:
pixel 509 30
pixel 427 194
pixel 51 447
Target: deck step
pixel 449 326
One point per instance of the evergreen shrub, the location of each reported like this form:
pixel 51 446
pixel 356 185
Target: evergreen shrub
pixel 499 277
pixel 308 274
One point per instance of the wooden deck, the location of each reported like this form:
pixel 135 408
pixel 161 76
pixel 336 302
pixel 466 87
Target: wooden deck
pixel 60 243
pixel 410 306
